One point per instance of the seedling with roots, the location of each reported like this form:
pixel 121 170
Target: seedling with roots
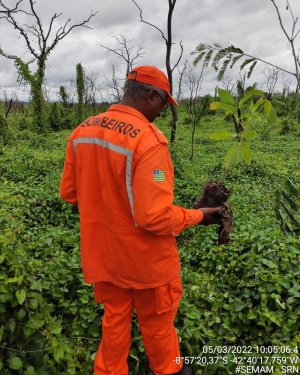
pixel 244 114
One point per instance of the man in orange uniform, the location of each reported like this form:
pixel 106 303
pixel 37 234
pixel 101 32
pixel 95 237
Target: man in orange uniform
pixel 119 172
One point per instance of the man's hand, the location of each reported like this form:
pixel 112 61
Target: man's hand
pixel 211 215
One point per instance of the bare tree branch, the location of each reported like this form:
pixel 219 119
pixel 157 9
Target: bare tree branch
pixel 180 56
pixel 51 24
pixel 15 9
pixel 181 74
pixel 10 18
pixel 291 38
pixel 148 23
pixel 38 20
pixel 272 76
pixel 127 53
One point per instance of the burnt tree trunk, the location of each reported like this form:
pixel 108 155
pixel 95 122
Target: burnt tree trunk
pixel 170 70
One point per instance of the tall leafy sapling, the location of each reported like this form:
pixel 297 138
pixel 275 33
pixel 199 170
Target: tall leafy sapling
pixel 80 92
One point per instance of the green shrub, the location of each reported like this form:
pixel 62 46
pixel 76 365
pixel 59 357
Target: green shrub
pixel 246 293
pixel 3 130
pixel 289 125
pixel 25 123
pixel 55 116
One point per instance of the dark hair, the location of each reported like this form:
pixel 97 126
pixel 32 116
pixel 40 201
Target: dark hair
pixel 137 89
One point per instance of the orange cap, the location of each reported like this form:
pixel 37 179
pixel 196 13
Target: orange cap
pixel 154 77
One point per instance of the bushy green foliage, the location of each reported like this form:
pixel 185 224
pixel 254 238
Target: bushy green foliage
pixel 246 293
pixel 35 81
pixel 289 125
pixel 3 130
pixel 55 116
pixel 80 91
pixel 63 96
pixel 287 106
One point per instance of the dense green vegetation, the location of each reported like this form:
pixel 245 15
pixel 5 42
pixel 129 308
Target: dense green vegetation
pixel 245 293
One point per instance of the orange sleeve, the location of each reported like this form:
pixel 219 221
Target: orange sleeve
pixel 68 180
pixel 153 196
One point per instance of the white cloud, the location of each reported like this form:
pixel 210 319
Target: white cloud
pixel 251 25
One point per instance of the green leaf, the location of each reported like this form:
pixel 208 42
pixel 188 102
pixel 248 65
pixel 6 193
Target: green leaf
pixel 218 56
pixel 251 69
pixel 234 60
pixel 272 317
pixel 252 315
pixel 55 328
pixel 226 97
pixel 21 296
pixel 220 136
pixel 272 118
pixel 207 58
pixel 214 106
pixel 15 363
pixel 58 354
pixel 30 371
pixel 11 325
pixel 249 95
pixel 290 201
pixel 48 241
pixel 33 303
pixel 228 107
pixel 249 134
pixel 1 332
pixel 224 67
pixel 231 155
pixel 267 107
pixel 269 263
pixel 246 62
pixel 292 188
pixel 246 152
pixel 36 321
pixel 28 331
pixel 280 303
pixel 259 104
pixel 2 257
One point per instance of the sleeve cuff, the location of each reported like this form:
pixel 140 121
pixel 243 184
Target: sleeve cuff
pixel 195 216
pixel 191 217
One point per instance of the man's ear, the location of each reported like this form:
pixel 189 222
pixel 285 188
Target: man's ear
pixel 151 96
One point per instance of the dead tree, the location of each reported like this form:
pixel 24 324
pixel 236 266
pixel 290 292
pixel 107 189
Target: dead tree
pixel 286 84
pixel 114 85
pixel 227 83
pixel 169 43
pixel 127 52
pixel 40 43
pixel 181 75
pixel 272 76
pixel 192 82
pixel 92 88
pixel 198 107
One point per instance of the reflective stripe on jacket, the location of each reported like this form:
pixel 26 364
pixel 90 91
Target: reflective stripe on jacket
pixel 119 172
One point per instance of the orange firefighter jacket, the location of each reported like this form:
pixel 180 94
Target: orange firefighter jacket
pixel 119 172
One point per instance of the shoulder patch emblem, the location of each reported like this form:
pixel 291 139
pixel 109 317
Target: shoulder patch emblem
pixel 159 175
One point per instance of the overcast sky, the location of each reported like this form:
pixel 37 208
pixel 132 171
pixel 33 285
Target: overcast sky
pixel 251 25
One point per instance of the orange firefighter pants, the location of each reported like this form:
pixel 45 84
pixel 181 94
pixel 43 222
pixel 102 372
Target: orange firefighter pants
pixel 156 309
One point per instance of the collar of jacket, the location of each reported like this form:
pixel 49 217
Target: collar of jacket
pixel 128 110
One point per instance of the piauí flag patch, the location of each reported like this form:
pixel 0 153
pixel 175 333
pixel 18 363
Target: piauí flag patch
pixel 159 175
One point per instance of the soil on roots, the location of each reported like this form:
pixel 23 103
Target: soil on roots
pixel 215 194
